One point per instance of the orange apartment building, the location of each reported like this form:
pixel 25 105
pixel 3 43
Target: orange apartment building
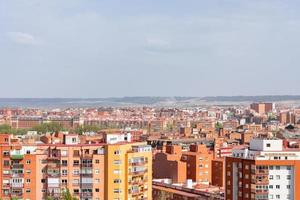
pixel 40 170
pixel 262 108
pixel 44 170
pixel 128 171
pixel 180 165
pixel 265 170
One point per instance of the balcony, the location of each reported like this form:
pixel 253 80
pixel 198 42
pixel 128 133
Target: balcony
pixel 53 165
pixel 86 185
pixel 17 185
pixel 87 165
pixel 53 174
pixel 17 166
pixel 138 173
pixel 138 182
pixel 138 163
pixel 86 175
pixel 17 175
pixel 17 195
pixel 264 191
pixel 6 185
pixel 86 194
pixel 260 171
pixel 54 194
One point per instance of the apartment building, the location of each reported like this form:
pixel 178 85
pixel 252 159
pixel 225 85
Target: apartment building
pixel 128 171
pixel 40 170
pixel 180 165
pixel 264 170
pixel 262 108
pixel 45 170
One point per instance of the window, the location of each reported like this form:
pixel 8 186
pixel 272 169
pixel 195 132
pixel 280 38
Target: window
pixel 76 191
pixel 288 167
pixel 76 172
pixel 97 161
pixel 117 191
pixel 6 153
pixel 288 187
pixel 76 153
pixel 27 190
pixel 277 177
pixel 271 167
pixel 64 181
pixel 64 172
pixel 28 162
pixel 97 180
pixel 277 186
pixel 117 181
pixel 271 177
pixel 288 177
pixel 96 171
pixel 43 161
pixel 277 196
pixel 64 163
pixel 271 186
pixel 117 152
pixel 97 190
pixel 268 145
pixel 75 162
pixel 28 171
pixel 27 180
pixel 277 167
pixel 6 163
pixel 43 180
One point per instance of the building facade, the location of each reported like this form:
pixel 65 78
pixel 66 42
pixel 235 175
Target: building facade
pixel 265 170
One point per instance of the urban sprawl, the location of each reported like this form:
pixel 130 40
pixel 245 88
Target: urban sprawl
pixel 242 152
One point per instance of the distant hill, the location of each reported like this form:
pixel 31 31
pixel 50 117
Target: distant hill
pixel 271 98
pixel 139 101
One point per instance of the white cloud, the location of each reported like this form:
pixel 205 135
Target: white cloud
pixel 23 38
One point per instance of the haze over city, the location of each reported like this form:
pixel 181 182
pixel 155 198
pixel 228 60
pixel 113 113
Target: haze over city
pixel 149 48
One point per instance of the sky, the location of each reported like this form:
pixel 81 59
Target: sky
pixel 116 48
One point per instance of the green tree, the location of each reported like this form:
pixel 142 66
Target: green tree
pixel 5 128
pixel 218 126
pixel 87 128
pixel 66 195
pixel 52 127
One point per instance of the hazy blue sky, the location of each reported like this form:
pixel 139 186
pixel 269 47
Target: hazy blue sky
pixel 104 48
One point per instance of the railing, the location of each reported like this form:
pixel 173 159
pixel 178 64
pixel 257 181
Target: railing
pixel 53 165
pixel 86 174
pixel 16 175
pixel 53 174
pixel 139 163
pixel 87 165
pixel 137 173
pixel 17 166
pixel 86 185
pixel 17 185
pixel 6 185
pixel 17 194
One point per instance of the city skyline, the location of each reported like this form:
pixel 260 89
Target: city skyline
pixel 143 48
